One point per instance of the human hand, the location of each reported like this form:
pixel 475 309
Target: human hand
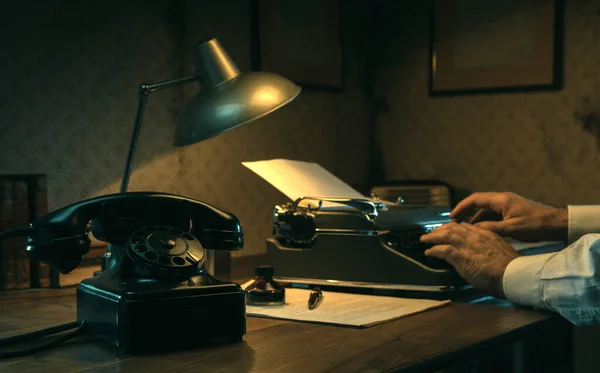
pixel 510 215
pixel 479 256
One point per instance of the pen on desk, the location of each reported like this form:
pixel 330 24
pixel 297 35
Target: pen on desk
pixel 315 298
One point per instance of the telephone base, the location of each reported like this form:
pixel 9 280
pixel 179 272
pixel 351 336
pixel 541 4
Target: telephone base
pixel 152 317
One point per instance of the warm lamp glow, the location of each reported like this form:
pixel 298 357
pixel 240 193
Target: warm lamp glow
pixel 265 96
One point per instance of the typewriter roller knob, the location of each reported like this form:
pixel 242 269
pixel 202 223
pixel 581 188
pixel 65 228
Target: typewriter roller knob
pixel 303 226
pixel 279 214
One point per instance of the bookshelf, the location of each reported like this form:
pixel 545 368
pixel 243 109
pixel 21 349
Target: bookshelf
pixel 23 198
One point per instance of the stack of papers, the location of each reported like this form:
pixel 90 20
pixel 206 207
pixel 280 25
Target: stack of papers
pixel 343 309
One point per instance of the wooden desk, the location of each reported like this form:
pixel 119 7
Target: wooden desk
pixel 427 342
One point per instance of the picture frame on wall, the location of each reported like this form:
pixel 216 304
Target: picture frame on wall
pixel 495 46
pixel 300 40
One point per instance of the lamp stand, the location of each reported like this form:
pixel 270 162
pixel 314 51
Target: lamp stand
pixel 144 91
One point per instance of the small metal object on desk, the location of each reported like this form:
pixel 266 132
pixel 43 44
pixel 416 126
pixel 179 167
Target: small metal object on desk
pixel 315 298
pixel 469 218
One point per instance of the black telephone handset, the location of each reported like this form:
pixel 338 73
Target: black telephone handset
pixel 164 232
pixel 154 295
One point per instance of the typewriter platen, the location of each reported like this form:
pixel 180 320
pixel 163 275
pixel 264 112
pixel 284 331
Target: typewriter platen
pixel 358 243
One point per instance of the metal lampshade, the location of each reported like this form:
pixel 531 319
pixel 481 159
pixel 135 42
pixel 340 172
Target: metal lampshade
pixel 229 98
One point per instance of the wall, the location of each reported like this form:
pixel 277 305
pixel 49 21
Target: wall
pixel 69 74
pixel 529 143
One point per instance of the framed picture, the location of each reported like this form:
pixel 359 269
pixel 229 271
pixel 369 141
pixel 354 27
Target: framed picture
pixel 487 46
pixel 300 40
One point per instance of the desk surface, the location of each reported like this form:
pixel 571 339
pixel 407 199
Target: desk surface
pixel 407 344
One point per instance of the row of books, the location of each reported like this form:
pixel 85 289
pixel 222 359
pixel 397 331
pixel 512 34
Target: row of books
pixel 23 198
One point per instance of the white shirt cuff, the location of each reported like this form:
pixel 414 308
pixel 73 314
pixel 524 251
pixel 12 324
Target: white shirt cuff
pixel 522 280
pixel 583 220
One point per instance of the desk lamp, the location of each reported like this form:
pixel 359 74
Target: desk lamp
pixel 228 99
pixel 154 293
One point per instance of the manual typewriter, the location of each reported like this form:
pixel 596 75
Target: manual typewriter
pixel 353 242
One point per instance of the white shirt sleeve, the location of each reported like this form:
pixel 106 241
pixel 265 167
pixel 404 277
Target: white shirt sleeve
pixel 583 220
pixel 567 282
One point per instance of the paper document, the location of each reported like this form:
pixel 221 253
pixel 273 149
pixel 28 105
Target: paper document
pixel 298 179
pixel 345 309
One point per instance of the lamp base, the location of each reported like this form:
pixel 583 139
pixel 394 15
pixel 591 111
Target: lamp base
pixel 147 315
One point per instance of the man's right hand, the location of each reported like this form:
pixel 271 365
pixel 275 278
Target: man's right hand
pixel 511 215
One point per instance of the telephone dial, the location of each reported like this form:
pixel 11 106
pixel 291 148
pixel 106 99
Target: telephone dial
pixel 154 294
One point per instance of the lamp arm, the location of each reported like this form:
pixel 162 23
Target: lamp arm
pixel 144 92
pixel 153 87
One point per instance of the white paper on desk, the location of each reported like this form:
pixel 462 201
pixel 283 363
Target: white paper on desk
pixel 298 179
pixel 345 309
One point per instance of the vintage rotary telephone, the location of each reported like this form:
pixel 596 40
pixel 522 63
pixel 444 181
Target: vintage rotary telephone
pixel 154 294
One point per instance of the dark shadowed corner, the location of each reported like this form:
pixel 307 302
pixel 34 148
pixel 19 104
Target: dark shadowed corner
pixel 589 118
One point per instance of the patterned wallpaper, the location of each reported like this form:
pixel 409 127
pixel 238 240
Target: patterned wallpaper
pixel 529 143
pixel 69 74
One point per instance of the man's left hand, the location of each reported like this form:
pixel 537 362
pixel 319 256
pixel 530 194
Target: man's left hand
pixel 478 255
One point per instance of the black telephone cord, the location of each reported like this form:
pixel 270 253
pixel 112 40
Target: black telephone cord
pixel 38 333
pixel 78 326
pixel 18 232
